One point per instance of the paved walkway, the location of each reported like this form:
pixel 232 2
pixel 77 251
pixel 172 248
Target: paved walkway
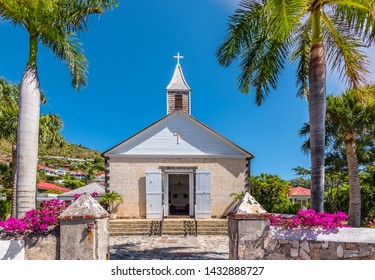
pixel 204 247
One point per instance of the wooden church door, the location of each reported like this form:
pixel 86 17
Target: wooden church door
pixel 203 194
pixel 153 194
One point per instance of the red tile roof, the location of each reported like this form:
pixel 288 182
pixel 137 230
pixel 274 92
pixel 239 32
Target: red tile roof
pixel 49 186
pixel 299 191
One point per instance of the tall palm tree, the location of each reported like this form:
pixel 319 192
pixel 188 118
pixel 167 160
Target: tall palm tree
pixel 349 117
pixel 49 127
pixel 54 23
pixel 350 125
pixel 263 33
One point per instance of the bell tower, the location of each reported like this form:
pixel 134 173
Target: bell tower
pixel 178 91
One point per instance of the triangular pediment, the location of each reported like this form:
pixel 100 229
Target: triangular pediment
pixel 177 135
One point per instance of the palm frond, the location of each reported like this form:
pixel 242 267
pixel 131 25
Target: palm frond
pixel 14 12
pixel 242 27
pixel 301 55
pixel 67 48
pixel 344 52
pixel 266 68
pixel 359 15
pixel 250 40
pixel 284 15
pixel 75 14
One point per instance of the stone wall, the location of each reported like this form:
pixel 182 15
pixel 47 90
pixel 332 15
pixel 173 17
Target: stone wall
pixel 330 244
pixel 42 248
pixel 252 238
pixel 127 177
pixel 319 250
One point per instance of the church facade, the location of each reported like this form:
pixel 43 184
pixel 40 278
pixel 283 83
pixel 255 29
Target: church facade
pixel 177 166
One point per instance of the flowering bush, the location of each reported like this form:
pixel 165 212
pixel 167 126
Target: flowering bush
pixel 40 219
pixel 309 218
pixel 371 224
pixel 94 194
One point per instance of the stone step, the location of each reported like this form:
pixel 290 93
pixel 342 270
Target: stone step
pixel 175 226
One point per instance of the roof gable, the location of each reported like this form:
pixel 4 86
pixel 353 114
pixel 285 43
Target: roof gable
pixel 177 135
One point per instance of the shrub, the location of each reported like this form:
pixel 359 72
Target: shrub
pixel 269 190
pixel 41 219
pixel 5 209
pixel 94 194
pixel 309 218
pixel 287 208
pixel 109 201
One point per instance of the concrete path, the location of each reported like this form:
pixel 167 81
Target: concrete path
pixel 205 247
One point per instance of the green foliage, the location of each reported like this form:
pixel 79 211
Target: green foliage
pixel 5 175
pixel 238 196
pixel 71 151
pixel 109 200
pixel 5 209
pixel 287 208
pixel 270 190
pixel 337 199
pixel 264 35
pixel 73 184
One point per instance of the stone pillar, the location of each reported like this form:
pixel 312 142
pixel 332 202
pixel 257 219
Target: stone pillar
pixel 248 227
pixel 248 236
pixel 84 231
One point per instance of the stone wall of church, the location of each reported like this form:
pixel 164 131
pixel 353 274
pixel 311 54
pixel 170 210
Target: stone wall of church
pixel 127 177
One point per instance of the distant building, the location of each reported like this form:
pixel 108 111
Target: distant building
pixel 79 175
pixel 45 186
pixel 48 171
pixel 301 195
pixel 100 177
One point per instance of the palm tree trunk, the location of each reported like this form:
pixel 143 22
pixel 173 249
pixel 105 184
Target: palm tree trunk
pixel 317 114
pixel 27 136
pixel 354 218
pixel 14 179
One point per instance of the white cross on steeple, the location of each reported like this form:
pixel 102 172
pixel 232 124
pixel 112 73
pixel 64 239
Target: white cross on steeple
pixel 178 56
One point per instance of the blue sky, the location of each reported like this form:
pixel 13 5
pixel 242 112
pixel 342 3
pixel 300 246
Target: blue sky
pixel 131 51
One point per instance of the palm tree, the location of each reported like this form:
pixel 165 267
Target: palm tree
pixel 55 24
pixel 49 127
pixel 350 124
pixel 351 116
pixel 263 33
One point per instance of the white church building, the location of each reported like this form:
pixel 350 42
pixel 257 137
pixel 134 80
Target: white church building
pixel 177 166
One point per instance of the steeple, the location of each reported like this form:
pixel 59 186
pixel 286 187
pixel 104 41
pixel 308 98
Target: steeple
pixel 178 91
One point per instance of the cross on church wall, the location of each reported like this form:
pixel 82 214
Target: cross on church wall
pixel 178 134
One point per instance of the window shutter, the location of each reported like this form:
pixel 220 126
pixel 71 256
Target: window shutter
pixel 203 194
pixel 153 194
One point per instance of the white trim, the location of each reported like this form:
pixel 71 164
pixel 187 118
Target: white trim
pixel 173 156
pixel 167 103
pixel 178 171
pixel 166 189
pixel 190 102
pixel 166 194
pixel 191 194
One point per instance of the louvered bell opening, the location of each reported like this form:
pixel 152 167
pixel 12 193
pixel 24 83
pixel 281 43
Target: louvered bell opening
pixel 178 102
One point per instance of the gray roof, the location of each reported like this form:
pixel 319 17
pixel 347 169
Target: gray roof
pixel 88 189
pixel 178 81
pixel 84 207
